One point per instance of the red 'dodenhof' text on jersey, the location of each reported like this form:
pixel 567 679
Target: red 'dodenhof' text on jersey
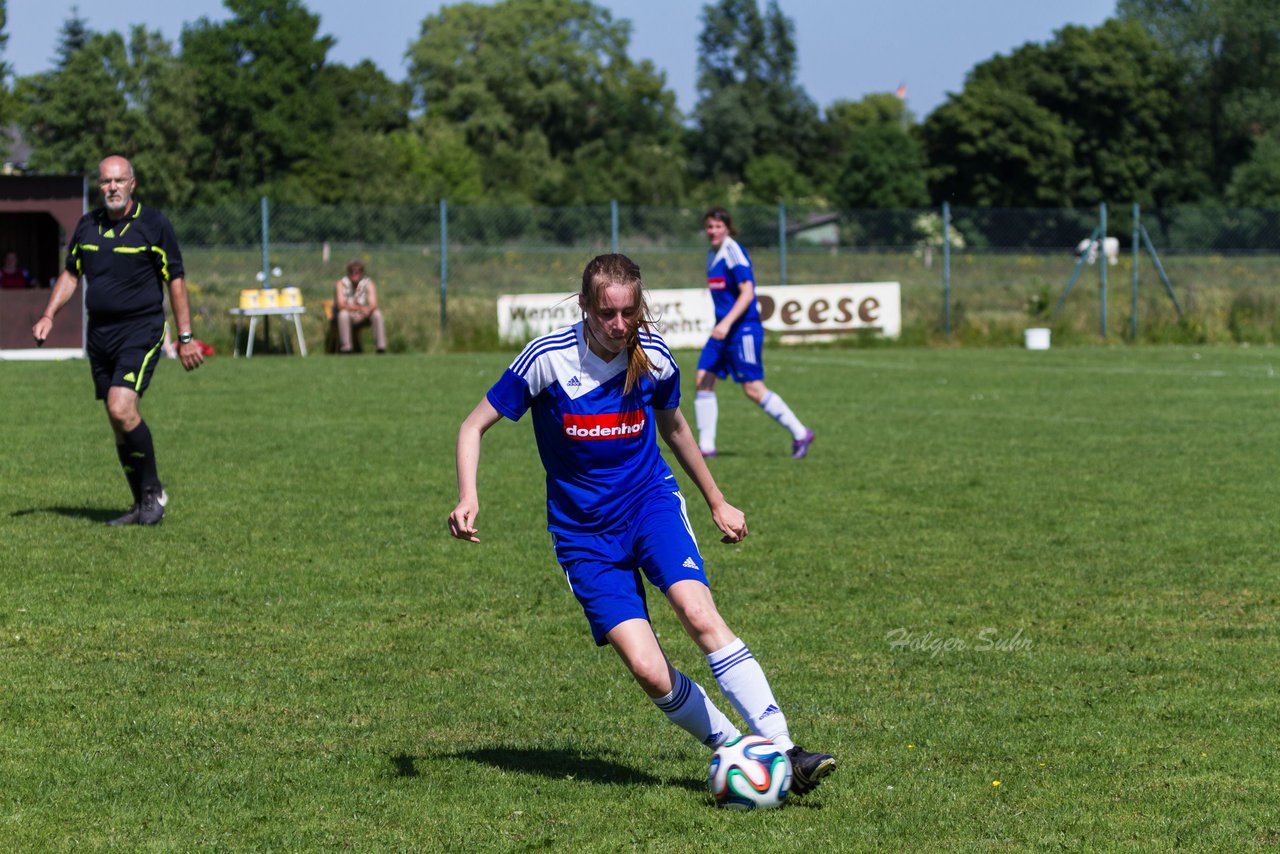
pixel 611 425
pixel 599 446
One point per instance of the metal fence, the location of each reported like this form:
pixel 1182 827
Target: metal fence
pixel 966 273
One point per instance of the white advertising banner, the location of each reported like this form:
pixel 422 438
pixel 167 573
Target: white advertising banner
pixel 685 316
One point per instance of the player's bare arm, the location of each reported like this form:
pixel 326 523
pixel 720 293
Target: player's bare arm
pixel 746 293
pixel 189 352
pixel 462 521
pixel 679 437
pixel 62 291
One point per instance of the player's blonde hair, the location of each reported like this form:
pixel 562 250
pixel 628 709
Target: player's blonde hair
pixel 602 271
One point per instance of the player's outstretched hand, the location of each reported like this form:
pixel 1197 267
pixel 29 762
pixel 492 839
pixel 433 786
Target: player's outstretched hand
pixel 731 521
pixel 462 521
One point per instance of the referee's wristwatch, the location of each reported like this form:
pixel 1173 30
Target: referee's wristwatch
pixel 185 337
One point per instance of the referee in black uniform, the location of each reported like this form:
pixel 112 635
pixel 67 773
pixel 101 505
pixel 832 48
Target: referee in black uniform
pixel 126 253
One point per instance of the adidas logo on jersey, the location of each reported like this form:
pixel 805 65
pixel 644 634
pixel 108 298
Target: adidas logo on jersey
pixel 690 563
pixel 574 382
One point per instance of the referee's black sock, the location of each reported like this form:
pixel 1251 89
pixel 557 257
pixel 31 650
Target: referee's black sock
pixel 141 454
pixel 130 472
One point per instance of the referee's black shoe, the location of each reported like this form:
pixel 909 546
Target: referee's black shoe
pixel 151 507
pixel 130 518
pixel 808 769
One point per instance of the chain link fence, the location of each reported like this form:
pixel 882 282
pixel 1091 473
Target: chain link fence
pixel 968 275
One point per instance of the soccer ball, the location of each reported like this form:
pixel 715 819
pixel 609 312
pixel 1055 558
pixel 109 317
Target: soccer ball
pixel 749 772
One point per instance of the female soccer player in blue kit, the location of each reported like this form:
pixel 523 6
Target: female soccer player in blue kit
pixel 600 392
pixel 736 344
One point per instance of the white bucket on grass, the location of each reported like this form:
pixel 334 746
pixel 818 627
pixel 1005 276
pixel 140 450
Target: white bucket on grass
pixel 1037 338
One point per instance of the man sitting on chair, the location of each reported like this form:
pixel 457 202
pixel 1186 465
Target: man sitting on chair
pixel 356 300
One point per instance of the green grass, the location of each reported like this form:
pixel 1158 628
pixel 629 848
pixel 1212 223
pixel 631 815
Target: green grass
pixel 300 658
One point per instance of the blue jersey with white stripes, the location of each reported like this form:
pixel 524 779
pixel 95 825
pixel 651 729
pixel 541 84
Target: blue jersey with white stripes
pixel 727 268
pixel 599 446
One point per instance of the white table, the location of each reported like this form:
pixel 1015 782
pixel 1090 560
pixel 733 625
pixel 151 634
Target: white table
pixel 288 312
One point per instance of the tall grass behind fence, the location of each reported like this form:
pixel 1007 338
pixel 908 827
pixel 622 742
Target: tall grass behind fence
pixel 1005 270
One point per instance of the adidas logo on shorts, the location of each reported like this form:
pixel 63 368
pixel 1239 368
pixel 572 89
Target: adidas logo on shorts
pixel 690 563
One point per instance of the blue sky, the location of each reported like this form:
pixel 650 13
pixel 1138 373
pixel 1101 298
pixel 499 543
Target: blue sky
pixel 847 48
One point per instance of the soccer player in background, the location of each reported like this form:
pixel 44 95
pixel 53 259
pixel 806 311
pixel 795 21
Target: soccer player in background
pixel 600 393
pixel 736 344
pixel 127 254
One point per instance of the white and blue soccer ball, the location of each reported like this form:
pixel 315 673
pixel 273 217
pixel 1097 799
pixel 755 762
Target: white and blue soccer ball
pixel 749 772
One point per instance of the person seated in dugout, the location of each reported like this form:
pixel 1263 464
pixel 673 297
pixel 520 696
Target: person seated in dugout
pixel 355 300
pixel 13 277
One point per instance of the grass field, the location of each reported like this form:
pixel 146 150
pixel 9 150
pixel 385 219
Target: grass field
pixel 1030 600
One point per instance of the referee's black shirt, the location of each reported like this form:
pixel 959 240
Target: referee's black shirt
pixel 126 262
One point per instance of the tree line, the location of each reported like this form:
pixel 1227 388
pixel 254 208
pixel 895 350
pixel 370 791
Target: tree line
pixel 537 102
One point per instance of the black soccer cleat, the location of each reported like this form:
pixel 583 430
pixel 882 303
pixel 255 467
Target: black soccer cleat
pixel 808 769
pixel 151 507
pixel 130 518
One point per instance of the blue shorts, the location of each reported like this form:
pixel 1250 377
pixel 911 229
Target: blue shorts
pixel 604 569
pixel 739 354
pixel 124 353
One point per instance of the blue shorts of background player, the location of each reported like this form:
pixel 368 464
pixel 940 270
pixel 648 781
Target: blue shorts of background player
pixel 606 571
pixel 738 355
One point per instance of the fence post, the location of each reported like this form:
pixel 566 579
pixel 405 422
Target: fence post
pixel 1102 264
pixel 613 226
pixel 782 243
pixel 946 268
pixel 266 251
pixel 444 267
pixel 1133 278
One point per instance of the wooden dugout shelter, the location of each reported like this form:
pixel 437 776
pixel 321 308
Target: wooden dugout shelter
pixel 38 214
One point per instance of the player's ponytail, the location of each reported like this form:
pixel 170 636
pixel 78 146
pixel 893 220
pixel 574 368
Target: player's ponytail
pixel 604 270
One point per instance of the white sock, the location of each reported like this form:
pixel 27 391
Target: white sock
pixel 742 680
pixel 706 410
pixel 777 409
pixel 688 707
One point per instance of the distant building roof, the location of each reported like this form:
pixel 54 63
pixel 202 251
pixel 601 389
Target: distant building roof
pixel 64 197
pixel 822 229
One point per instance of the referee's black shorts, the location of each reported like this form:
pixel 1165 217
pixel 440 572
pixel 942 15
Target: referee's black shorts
pixel 124 352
